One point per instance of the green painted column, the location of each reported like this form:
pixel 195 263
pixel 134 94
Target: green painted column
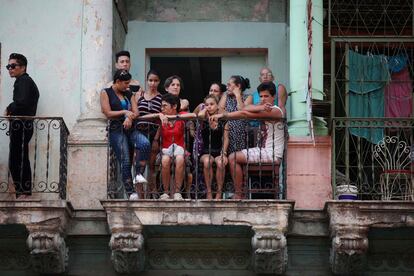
pixel 299 61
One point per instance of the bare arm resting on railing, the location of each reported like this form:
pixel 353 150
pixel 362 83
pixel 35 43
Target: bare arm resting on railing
pixel 165 118
pixel 273 113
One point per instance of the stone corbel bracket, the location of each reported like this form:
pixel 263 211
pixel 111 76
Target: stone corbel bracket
pixel 127 241
pixel 349 225
pixel 268 219
pixel 46 222
pixel 269 250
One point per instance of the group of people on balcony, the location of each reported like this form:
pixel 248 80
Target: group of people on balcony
pixel 155 124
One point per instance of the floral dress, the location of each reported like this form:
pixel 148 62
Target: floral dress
pixel 237 128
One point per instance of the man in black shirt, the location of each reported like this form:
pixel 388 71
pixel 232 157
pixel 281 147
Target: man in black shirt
pixel 25 98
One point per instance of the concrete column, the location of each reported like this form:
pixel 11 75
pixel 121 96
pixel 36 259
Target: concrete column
pixel 299 61
pixel 88 146
pixel 96 66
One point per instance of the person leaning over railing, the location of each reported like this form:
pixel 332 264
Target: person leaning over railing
pixel 217 89
pixel 116 104
pixel 215 141
pixel 273 135
pixel 235 100
pixel 172 143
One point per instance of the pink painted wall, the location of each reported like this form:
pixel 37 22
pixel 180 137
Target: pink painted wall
pixel 309 172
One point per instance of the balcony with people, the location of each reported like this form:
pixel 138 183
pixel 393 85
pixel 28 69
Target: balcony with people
pixel 215 168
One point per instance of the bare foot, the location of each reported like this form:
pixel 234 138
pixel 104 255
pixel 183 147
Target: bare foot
pixel 209 196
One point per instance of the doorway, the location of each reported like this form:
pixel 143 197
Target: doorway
pixel 197 74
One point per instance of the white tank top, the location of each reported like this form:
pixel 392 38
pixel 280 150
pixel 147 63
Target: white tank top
pixel 273 137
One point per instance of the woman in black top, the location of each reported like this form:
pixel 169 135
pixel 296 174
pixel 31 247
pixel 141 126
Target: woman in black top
pixel 116 104
pixel 215 143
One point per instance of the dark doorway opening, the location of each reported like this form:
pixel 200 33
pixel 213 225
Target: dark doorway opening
pixel 197 73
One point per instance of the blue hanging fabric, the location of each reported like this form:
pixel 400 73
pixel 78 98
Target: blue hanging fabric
pixel 368 75
pixel 397 63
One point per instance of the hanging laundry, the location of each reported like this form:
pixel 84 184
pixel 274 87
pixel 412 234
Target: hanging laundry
pixel 397 63
pixel 368 76
pixel 399 95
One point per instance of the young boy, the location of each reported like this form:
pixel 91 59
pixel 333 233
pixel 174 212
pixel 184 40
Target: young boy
pixel 172 143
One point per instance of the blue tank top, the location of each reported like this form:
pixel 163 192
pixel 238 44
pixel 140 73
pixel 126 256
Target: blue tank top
pixel 117 105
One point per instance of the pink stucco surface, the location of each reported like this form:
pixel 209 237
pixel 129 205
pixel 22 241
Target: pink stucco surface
pixel 309 172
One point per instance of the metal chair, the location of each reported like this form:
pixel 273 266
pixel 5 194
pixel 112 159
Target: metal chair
pixel 396 179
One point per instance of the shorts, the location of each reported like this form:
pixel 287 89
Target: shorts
pixel 173 150
pixel 213 152
pixel 260 155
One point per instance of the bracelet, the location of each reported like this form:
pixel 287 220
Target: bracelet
pixel 225 115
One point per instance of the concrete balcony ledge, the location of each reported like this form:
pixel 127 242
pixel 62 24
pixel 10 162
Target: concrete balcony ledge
pixel 46 222
pixel 350 222
pixel 268 220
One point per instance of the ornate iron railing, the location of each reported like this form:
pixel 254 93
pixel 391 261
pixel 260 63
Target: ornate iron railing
pixel 34 157
pixel 373 158
pixel 260 179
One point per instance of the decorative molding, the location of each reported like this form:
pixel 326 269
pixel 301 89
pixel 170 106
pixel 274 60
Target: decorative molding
pixel 349 248
pixel 203 259
pixel 269 251
pixel 350 222
pixel 46 222
pixel 15 260
pixel 127 251
pixel 269 219
pixel 48 250
pixel 49 253
pixel 392 262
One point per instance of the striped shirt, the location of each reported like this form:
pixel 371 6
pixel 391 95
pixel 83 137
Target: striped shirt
pixel 149 106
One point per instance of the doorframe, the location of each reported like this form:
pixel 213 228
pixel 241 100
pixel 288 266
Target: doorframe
pixel 202 52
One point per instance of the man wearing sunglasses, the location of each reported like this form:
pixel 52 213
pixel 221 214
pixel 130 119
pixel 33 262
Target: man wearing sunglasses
pixel 25 98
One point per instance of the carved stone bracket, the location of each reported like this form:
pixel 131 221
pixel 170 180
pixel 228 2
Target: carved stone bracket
pixel 349 223
pixel 269 251
pixel 268 219
pixel 48 250
pixel 349 248
pixel 46 222
pixel 127 251
pixel 127 241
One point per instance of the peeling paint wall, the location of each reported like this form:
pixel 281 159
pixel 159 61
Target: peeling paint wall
pixel 119 34
pixel 48 33
pixel 212 10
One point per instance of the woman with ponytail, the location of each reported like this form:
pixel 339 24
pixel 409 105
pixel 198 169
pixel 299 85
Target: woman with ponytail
pixel 234 100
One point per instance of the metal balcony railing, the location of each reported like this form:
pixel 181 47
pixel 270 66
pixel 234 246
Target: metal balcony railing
pixel 373 158
pixel 261 179
pixel 34 157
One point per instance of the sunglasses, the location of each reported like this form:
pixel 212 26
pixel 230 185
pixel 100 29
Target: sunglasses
pixel 12 66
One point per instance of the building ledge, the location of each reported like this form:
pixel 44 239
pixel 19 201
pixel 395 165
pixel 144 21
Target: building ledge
pixel 268 220
pixel 350 222
pixel 46 222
